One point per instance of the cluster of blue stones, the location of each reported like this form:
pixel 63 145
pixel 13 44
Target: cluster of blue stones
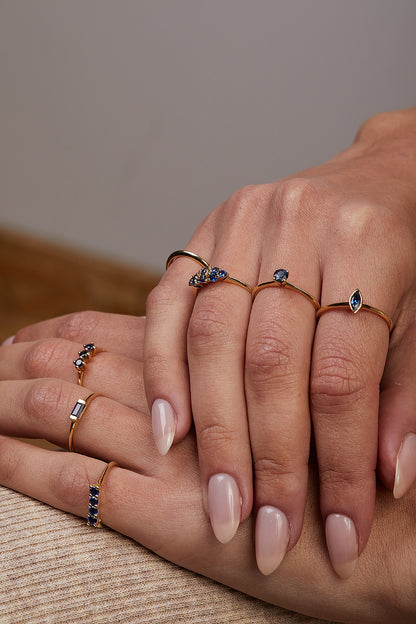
pixel 356 301
pixel 92 519
pixel 84 355
pixel 280 276
pixel 206 276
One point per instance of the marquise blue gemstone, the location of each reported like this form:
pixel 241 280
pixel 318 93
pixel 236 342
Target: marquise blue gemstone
pixel 280 275
pixel 356 300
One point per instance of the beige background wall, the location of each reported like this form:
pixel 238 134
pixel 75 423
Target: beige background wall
pixel 123 122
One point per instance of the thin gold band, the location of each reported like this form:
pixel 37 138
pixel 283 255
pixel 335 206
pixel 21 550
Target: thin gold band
pixel 345 305
pixel 94 518
pixel 186 254
pixel 283 283
pixel 190 254
pixel 78 411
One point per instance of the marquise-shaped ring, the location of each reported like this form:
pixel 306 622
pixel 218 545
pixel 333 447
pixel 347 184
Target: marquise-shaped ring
pixel 280 277
pixel 355 303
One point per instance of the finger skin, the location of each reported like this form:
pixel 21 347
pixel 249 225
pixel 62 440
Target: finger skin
pixel 112 374
pixel 117 333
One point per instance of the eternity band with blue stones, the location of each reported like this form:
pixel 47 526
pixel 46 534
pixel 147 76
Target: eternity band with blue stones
pixel 280 277
pixel 208 274
pixel 93 518
pixel 355 304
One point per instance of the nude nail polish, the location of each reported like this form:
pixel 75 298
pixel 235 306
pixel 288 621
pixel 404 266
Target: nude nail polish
pixel 163 425
pixel 224 506
pixel 405 466
pixel 8 341
pixel 342 543
pixel 272 537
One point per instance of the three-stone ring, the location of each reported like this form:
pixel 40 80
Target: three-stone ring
pixel 280 277
pixel 83 358
pixel 355 303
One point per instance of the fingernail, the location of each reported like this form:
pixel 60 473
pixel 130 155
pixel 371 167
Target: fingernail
pixel 272 537
pixel 8 341
pixel 224 506
pixel 405 466
pixel 163 425
pixel 342 543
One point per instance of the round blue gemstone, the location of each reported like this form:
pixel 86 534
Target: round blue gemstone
pixel 280 275
pixel 90 346
pixel 92 520
pixel 93 500
pixel 79 364
pixel 222 274
pixel 85 355
pixel 92 511
pixel 94 491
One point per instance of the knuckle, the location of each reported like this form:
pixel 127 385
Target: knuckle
pixel 9 462
pixel 270 471
pixel 209 327
pixel 69 482
pixel 215 435
pixel 43 397
pixel 40 357
pixel 340 479
pixel 161 299
pixel 336 381
pixel 298 197
pixel 246 200
pixel 79 325
pixel 269 356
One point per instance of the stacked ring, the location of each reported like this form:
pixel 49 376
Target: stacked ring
pixel 93 518
pixel 85 355
pixel 208 274
pixel 78 410
pixel 280 279
pixel 355 304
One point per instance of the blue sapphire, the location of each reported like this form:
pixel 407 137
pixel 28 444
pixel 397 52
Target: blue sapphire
pixel 80 364
pixel 93 500
pixel 92 520
pixel 94 490
pixel 84 355
pixel 214 274
pixel 90 346
pixel 92 511
pixel 356 301
pixel 78 409
pixel 222 274
pixel 280 276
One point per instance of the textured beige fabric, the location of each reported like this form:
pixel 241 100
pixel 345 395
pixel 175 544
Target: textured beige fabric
pixel 55 569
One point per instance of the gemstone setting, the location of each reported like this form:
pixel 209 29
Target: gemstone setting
pixel 280 276
pixel 355 301
pixel 77 410
pixel 208 275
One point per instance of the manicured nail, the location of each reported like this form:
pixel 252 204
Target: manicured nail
pixel 272 537
pixel 405 466
pixel 163 425
pixel 8 341
pixel 342 543
pixel 224 506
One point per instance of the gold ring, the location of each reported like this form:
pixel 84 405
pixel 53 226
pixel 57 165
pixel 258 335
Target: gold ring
pixel 79 409
pixel 355 303
pixel 85 355
pixel 93 518
pixel 208 274
pixel 186 254
pixel 280 279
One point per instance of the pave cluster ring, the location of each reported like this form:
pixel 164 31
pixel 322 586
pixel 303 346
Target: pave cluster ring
pixel 208 274
pixel 83 358
pixel 280 277
pixel 355 304
pixel 93 518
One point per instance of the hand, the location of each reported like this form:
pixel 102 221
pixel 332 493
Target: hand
pixel 158 502
pixel 252 375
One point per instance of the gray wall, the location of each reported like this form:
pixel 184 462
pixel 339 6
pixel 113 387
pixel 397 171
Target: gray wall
pixel 124 122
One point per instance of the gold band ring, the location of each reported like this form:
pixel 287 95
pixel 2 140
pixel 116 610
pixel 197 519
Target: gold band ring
pixel 208 274
pixel 79 409
pixel 355 303
pixel 280 279
pixel 85 355
pixel 93 518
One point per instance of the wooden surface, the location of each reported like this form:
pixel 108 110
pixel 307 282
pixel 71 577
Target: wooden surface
pixel 39 280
